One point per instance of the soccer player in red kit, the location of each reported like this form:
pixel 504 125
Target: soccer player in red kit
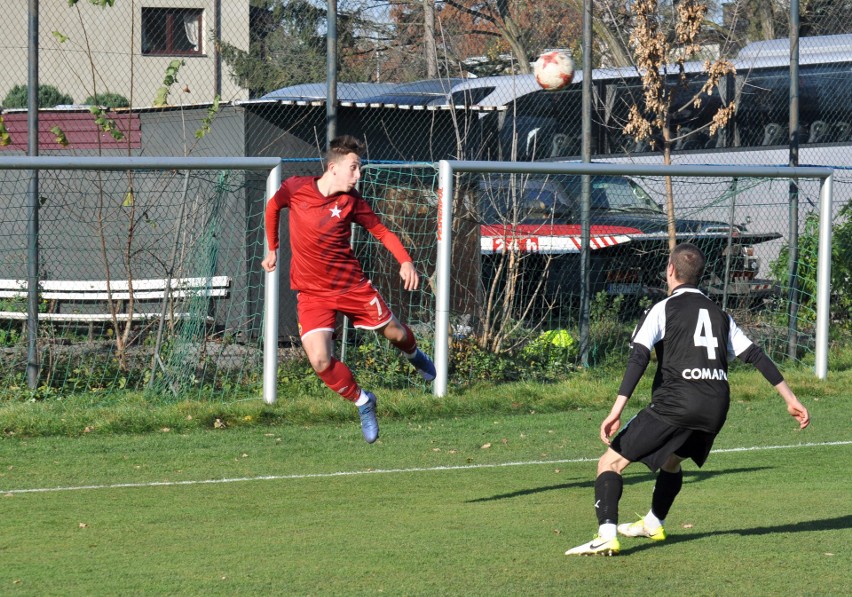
pixel 329 278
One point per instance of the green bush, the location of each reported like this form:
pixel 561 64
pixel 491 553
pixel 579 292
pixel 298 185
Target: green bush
pixel 48 97
pixel 108 100
pixel 841 267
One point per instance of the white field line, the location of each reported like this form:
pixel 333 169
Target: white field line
pixel 382 471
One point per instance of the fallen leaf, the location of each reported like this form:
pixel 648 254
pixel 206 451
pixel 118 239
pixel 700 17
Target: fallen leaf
pixel 687 525
pixel 484 446
pixel 165 429
pixel 82 525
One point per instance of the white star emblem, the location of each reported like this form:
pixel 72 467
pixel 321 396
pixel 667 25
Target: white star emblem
pixel 335 212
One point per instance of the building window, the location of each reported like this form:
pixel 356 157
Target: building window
pixel 172 31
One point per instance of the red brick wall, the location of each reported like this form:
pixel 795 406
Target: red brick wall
pixel 79 127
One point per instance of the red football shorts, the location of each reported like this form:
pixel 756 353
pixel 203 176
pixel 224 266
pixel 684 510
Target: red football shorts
pixel 363 305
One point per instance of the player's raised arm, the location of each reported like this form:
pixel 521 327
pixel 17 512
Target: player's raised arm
pixel 755 356
pixel 407 271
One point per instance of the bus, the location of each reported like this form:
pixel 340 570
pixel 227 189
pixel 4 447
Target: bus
pixel 547 124
pixel 521 122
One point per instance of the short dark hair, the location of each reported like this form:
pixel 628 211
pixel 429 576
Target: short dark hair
pixel 688 262
pixel 342 146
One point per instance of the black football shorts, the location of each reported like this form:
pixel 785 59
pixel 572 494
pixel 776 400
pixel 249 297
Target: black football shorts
pixel 647 439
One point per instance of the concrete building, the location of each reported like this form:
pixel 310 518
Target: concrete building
pixel 126 48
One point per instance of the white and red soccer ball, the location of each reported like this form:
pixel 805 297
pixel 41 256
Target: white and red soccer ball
pixel 554 70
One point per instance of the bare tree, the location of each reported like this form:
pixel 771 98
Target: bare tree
pixel 664 80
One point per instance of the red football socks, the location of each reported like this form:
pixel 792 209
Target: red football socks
pixel 339 378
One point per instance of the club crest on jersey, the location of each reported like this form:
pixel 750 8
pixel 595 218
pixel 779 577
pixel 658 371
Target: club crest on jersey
pixel 335 211
pixel 706 373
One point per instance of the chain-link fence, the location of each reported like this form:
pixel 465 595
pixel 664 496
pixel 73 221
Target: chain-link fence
pixel 247 78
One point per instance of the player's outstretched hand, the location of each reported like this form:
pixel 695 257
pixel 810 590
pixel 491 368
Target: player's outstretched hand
pixel 410 278
pixel 269 261
pixel 794 407
pixel 800 413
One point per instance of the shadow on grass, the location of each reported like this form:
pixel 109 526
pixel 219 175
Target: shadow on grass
pixel 688 477
pixel 806 526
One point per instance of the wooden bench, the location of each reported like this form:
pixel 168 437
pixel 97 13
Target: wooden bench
pixel 80 292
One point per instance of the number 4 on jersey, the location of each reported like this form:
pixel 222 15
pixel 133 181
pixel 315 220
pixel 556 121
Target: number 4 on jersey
pixel 704 334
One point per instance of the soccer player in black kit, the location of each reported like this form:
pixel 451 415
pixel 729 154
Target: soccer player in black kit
pixel 693 339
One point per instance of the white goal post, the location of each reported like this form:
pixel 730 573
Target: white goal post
pixel 448 168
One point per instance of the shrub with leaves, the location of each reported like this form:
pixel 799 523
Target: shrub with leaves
pixel 806 275
pixel 108 100
pixel 48 97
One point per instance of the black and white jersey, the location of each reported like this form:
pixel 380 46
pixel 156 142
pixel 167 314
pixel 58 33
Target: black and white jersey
pixel 693 339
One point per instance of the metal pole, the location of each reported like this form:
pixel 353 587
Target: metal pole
pixel 331 75
pixel 217 50
pixel 49 162
pixel 823 278
pixel 586 191
pixel 793 213
pixel 728 255
pixel 443 268
pixel 32 221
pixel 270 309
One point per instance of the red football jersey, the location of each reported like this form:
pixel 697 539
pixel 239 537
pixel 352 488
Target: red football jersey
pixel 320 229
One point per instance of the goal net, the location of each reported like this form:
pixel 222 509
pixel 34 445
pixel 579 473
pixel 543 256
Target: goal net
pixel 148 275
pixel 514 284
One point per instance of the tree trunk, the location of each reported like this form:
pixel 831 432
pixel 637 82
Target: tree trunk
pixel 429 47
pixel 512 34
pixel 670 208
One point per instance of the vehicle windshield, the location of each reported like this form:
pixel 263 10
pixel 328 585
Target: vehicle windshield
pixel 613 193
pixel 558 197
pixel 506 197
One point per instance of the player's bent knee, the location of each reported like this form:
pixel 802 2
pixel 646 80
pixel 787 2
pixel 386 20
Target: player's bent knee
pixel 320 364
pixel 393 331
pixel 672 465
